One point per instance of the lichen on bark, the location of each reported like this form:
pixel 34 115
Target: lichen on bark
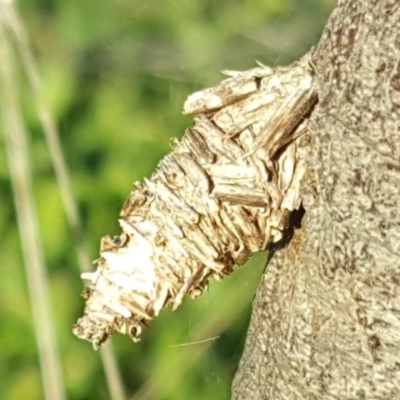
pixel 224 192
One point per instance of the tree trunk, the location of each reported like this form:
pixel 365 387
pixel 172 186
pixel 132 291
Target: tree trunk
pixel 326 317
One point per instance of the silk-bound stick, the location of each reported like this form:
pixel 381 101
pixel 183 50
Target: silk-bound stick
pixel 224 192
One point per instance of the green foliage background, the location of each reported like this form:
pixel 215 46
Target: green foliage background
pixel 115 75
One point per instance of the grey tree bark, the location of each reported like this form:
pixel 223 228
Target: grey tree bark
pixel 326 318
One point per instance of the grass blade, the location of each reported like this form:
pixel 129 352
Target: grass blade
pixel 18 160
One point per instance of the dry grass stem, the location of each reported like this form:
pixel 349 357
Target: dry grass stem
pixel 225 191
pixel 18 160
pixel 13 22
pixel 51 135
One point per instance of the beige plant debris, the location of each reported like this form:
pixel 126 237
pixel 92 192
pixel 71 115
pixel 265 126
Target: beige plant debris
pixel 224 192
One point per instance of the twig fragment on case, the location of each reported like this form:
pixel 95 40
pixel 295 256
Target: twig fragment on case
pixel 223 193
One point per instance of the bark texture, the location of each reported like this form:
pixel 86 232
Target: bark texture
pixel 326 318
